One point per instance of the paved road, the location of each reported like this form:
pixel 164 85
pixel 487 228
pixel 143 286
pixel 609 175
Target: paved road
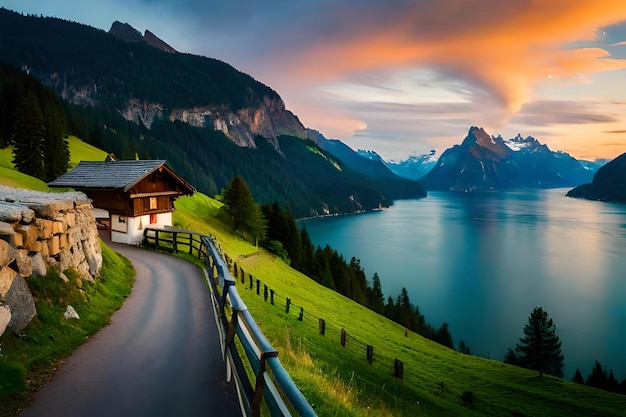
pixel 160 356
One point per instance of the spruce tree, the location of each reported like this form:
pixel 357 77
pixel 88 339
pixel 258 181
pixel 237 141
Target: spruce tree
pixel 540 348
pixel 56 153
pixel 244 213
pixel 28 137
pixel 578 377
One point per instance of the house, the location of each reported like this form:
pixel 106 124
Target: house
pixel 128 196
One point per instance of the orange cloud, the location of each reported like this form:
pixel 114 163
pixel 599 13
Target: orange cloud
pixel 503 48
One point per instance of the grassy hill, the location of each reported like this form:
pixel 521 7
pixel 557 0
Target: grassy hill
pixel 338 381
pixel 79 151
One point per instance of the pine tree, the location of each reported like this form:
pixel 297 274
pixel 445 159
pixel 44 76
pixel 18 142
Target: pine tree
pixel 28 137
pixel 244 213
pixel 597 378
pixel 56 153
pixel 540 348
pixel 375 296
pixel 578 377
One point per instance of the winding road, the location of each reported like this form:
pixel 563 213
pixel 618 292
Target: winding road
pixel 160 355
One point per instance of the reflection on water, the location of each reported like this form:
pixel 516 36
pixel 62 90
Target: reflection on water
pixel 483 262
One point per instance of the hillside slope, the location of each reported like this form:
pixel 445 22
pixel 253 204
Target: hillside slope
pixel 609 183
pixel 339 381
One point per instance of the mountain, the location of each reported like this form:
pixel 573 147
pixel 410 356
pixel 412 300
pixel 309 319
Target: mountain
pixel 127 33
pixel 369 167
pixel 414 167
pixel 483 162
pixel 609 183
pixel 91 67
pixel 390 184
pixel 210 121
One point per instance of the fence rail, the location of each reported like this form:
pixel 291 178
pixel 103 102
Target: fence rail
pixel 269 380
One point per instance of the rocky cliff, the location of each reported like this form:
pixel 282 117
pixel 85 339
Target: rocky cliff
pixel 40 231
pixel 127 33
pixel 268 117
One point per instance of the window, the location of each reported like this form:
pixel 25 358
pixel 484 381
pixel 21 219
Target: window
pixel 153 219
pixel 153 203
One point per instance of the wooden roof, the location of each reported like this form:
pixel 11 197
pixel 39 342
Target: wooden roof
pixel 114 175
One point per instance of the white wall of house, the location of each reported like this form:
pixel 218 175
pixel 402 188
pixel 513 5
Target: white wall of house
pixel 129 230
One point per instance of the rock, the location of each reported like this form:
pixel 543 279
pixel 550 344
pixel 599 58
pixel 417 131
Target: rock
pixel 39 266
pixel 70 313
pixel 18 298
pixel 24 263
pixel 7 253
pixel 6 280
pixel 6 231
pixel 5 317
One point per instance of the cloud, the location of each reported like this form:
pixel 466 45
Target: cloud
pixel 404 72
pixel 500 49
pixel 552 112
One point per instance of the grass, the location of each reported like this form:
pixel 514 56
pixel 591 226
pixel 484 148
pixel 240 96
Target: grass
pixel 12 178
pixel 339 381
pixel 79 151
pixel 28 360
pixel 82 151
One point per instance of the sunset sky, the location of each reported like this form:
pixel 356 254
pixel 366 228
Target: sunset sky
pixel 404 77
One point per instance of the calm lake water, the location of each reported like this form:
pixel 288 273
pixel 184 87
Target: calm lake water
pixel 481 263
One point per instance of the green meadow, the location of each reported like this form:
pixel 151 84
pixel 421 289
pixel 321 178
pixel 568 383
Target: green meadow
pixel 339 381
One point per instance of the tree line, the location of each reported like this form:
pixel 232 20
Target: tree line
pixel 598 378
pixel 540 349
pixel 275 228
pixel 33 123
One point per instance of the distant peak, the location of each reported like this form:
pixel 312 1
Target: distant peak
pixel 476 135
pixel 127 33
pixel 158 43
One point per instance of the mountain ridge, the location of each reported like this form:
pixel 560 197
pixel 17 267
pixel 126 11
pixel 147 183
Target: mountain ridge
pixel 483 163
pixel 127 33
pixel 210 121
pixel 201 91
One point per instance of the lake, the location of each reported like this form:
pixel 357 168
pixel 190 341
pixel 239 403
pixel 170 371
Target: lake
pixel 482 262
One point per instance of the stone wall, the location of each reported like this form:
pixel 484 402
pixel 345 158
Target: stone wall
pixel 40 230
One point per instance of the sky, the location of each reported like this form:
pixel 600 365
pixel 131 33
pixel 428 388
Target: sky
pixel 403 77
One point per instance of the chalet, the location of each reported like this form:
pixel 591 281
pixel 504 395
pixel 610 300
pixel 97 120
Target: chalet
pixel 128 196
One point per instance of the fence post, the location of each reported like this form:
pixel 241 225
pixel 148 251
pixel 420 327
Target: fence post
pixel 265 292
pixel 343 337
pixel 251 282
pixel 272 297
pixel 370 353
pixel 398 369
pixel 301 316
pixel 322 326
pixel 287 305
pixel 258 287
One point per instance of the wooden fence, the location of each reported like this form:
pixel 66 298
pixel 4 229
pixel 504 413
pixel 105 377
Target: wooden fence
pixel 269 381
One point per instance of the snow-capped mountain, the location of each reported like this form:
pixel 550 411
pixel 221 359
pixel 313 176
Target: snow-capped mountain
pixel 414 167
pixel 483 162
